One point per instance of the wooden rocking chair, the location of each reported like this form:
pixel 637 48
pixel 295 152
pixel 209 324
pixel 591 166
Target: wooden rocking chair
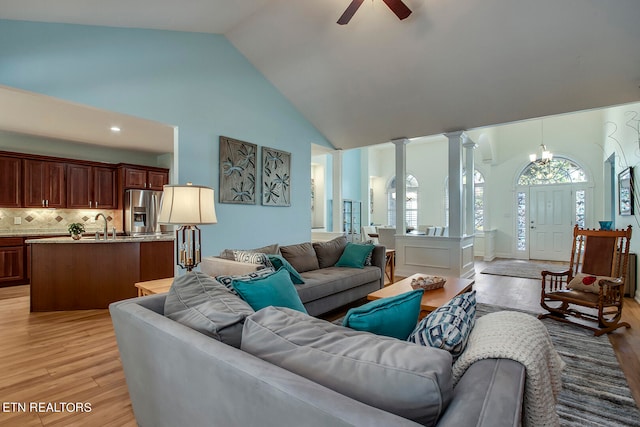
pixel 595 253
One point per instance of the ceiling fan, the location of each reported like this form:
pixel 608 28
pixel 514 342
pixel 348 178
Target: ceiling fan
pixel 397 6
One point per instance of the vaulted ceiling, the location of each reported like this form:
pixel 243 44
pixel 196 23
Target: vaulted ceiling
pixel 454 64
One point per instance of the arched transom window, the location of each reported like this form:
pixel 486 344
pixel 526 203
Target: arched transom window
pixel 556 171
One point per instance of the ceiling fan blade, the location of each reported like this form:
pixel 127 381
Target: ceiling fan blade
pixel 351 10
pixel 399 8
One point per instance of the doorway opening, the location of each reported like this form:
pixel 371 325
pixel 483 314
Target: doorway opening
pixel 551 197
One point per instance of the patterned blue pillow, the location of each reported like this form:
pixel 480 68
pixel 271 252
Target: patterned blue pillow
pixel 448 327
pixel 227 280
pixel 252 258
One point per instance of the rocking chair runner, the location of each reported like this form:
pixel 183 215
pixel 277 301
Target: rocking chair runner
pixel 595 253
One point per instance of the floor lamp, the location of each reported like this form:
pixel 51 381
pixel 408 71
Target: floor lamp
pixel 187 206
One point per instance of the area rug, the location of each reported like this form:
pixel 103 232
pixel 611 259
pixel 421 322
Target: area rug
pixel 594 389
pixel 522 268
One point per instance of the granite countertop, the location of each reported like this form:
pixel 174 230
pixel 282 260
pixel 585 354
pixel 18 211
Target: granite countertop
pixel 118 239
pixel 28 232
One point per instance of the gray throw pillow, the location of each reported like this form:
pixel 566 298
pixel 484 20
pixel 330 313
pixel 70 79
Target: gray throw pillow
pixel 253 258
pixel 198 301
pixel 301 256
pixel 411 381
pixel 270 249
pixel 328 253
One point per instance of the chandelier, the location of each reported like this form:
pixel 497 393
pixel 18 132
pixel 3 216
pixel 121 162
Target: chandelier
pixel 545 156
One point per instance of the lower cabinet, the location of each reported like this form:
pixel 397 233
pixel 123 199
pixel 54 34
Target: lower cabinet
pixel 78 276
pixel 156 260
pixel 153 260
pixel 12 261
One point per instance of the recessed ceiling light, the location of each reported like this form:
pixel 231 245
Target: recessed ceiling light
pixel 115 129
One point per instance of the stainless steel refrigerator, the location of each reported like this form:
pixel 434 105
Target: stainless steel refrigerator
pixel 141 211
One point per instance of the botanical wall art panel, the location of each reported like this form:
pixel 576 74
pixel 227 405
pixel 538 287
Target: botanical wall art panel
pixel 276 177
pixel 237 171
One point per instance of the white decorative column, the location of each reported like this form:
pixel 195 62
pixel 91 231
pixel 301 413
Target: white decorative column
pixel 456 217
pixel 336 211
pixel 401 184
pixel 469 193
pixel 452 255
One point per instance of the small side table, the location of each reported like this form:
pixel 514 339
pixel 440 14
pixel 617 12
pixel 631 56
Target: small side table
pixel 152 287
pixel 390 263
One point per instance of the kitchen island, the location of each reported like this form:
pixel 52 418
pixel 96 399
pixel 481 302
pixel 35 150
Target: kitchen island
pixel 69 274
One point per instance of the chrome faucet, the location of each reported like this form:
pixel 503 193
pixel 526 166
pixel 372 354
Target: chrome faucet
pixel 106 233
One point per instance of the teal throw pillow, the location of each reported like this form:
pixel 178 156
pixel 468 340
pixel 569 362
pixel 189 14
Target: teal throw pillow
pixel 228 280
pixel 354 255
pixel 279 261
pixel 275 289
pixel 393 317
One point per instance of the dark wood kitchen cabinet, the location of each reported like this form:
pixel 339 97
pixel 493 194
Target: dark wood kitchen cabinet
pixel 35 181
pixel 144 178
pixel 135 178
pixel 102 273
pixel 10 179
pixel 12 261
pixel 91 187
pixel 44 184
pixel 157 179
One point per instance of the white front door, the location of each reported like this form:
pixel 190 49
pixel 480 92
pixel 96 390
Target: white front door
pixel 551 218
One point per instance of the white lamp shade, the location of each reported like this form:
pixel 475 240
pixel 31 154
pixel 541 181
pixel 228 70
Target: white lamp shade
pixel 187 204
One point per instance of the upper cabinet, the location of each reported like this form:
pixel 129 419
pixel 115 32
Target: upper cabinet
pixel 91 187
pixel 144 178
pixel 44 184
pixel 10 179
pixel 105 189
pixel 34 181
pixel 157 179
pixel 135 178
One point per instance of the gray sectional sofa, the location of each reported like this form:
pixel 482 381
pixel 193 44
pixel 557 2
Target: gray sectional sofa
pixel 202 356
pixel 326 287
pixel 177 376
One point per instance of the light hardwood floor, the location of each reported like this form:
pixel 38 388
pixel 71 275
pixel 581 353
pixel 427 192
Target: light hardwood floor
pixel 72 356
pixel 54 357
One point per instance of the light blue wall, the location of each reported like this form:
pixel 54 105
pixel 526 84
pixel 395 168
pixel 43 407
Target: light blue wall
pixel 198 82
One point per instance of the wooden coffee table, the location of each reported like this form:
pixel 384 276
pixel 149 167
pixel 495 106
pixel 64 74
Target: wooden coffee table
pixel 431 299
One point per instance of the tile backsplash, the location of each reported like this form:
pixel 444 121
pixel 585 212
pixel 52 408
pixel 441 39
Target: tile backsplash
pixel 56 220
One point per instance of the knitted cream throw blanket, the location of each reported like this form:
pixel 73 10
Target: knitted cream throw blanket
pixel 523 338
